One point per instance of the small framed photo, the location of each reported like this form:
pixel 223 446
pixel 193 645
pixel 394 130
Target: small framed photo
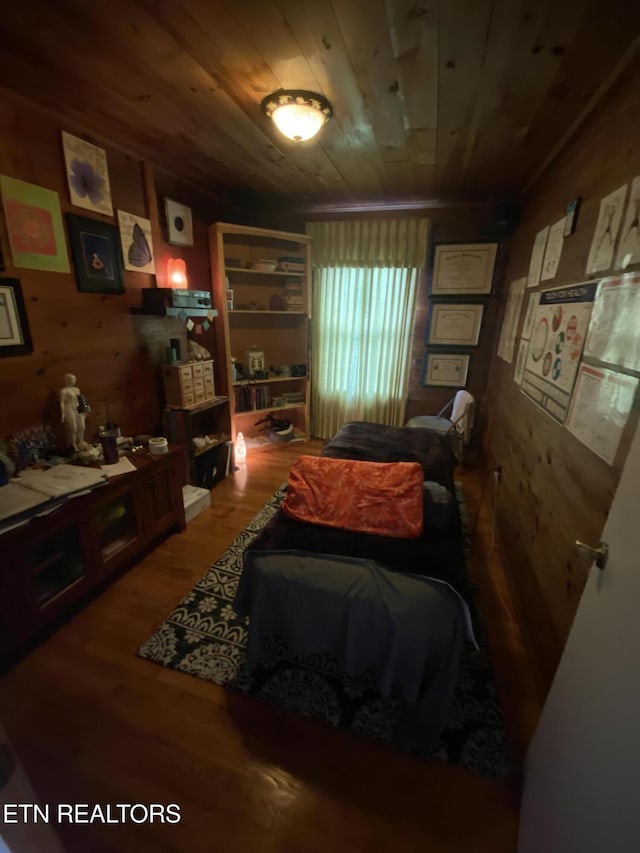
pixel 179 223
pixel 15 338
pixel 454 324
pixel 571 216
pixel 97 259
pixel 463 269
pixel 253 361
pixel 445 369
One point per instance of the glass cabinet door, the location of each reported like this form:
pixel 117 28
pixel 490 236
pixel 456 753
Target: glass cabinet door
pixel 56 563
pixel 116 526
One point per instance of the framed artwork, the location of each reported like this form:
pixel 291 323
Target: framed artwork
pixel 87 174
pixel 179 223
pixel 34 226
pixel 15 338
pixel 137 243
pixel 453 324
pixel 446 369
pixel 95 249
pixel 463 269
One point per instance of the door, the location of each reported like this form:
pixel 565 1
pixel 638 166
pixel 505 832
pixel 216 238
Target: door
pixel 27 826
pixel 583 766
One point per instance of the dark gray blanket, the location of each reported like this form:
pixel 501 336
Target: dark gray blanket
pixel 404 629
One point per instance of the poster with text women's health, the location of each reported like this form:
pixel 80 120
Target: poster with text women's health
pixel 559 330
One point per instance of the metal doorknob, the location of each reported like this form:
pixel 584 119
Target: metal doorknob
pixel 599 555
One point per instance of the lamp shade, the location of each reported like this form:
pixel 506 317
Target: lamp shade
pixel 176 272
pixel 297 114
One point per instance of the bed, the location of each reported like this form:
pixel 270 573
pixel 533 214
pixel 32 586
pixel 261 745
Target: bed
pixel 395 607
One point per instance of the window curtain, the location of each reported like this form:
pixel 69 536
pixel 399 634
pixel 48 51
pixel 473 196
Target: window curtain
pixel 365 276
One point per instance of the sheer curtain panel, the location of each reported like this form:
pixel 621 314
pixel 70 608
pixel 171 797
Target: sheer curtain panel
pixel 364 290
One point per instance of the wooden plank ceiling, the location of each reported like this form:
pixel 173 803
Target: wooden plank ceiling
pixel 432 98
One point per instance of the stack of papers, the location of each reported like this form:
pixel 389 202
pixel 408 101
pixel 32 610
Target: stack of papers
pixel 36 487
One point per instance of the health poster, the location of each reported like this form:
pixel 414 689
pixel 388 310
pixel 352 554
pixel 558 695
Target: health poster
pixel 510 320
pixel 521 360
pixel 559 328
pixel 600 409
pixel 527 326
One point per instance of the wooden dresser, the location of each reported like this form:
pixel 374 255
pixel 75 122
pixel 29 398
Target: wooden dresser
pixel 52 562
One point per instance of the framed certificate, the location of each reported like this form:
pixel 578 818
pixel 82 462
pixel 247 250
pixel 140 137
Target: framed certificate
pixel 15 338
pixel 453 324
pixel 463 269
pixel 445 369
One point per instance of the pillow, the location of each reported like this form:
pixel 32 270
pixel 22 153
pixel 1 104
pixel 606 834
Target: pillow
pixel 383 498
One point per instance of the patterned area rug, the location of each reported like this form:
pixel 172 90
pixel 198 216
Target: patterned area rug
pixel 204 637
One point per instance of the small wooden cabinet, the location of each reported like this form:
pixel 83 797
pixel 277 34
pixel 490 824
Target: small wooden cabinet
pixel 208 423
pixel 188 384
pixel 50 563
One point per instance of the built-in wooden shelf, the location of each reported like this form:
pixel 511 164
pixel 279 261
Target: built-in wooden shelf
pixel 263 311
pixel 241 382
pixel 271 409
pixel 280 273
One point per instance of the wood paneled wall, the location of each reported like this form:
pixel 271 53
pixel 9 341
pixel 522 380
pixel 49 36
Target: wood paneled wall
pixel 459 223
pixel 113 353
pixel 554 490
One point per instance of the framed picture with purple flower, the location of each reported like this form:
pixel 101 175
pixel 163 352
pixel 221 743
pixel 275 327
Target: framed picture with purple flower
pixel 87 174
pixel 97 259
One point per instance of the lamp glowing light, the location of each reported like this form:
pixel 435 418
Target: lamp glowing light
pixel 176 272
pixel 241 449
pixel 297 114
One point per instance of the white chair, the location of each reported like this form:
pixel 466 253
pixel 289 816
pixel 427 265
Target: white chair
pixel 458 425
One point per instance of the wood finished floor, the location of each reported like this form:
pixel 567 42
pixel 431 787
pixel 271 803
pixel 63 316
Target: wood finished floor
pixel 92 723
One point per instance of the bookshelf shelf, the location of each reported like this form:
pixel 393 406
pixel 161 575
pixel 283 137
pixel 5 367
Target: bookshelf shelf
pixel 240 382
pixel 264 311
pixel 279 273
pixel 272 409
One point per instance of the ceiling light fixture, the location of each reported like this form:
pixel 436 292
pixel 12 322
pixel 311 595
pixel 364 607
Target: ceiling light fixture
pixel 297 114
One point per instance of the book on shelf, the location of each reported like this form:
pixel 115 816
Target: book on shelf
pixel 293 397
pixel 291 265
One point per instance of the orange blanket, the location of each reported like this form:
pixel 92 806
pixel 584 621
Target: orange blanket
pixel 383 498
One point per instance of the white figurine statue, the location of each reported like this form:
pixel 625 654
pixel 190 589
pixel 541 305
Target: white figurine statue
pixel 73 410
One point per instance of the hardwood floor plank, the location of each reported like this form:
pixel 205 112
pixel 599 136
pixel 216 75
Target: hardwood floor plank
pixel 94 723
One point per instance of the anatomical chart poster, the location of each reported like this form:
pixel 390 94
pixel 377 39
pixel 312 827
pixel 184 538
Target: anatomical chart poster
pixel 629 245
pixel 607 227
pixel 537 257
pixel 553 250
pixel 600 409
pixel 559 328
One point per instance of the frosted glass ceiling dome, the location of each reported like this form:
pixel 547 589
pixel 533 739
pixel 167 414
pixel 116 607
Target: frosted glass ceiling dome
pixel 297 114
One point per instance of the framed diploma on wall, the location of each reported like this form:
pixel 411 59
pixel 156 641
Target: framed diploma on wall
pixel 454 324
pixel 445 369
pixel 463 269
